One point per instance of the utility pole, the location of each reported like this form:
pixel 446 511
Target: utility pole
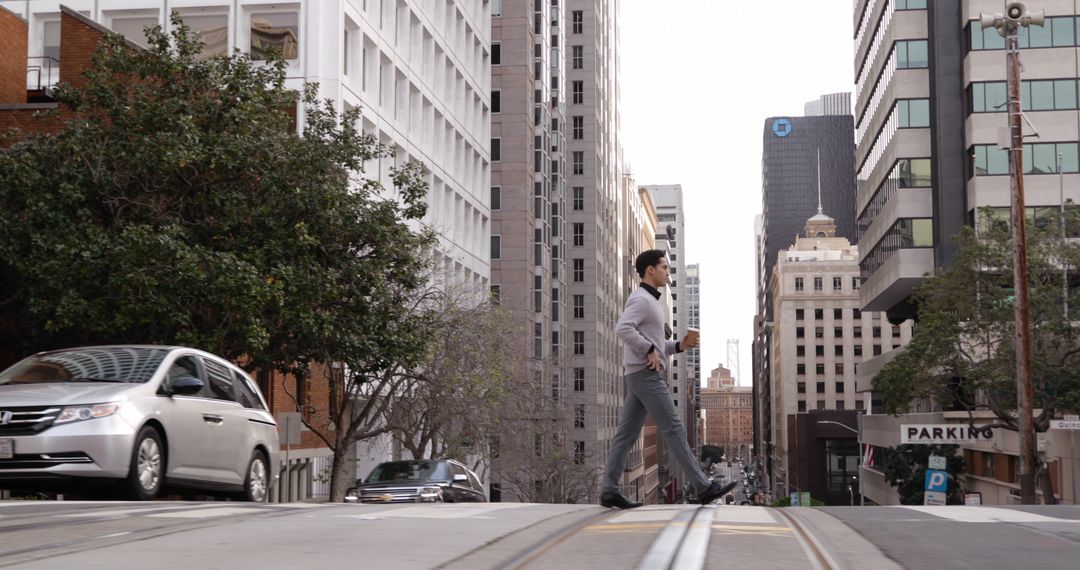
pixel 1008 25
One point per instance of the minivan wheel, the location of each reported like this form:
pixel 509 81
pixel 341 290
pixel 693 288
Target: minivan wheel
pixel 147 471
pixel 257 481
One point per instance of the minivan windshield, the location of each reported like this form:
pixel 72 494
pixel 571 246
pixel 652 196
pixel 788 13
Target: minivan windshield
pixel 129 364
pixel 420 470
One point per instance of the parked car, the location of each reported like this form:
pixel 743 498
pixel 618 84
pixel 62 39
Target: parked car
pixel 140 417
pixel 418 481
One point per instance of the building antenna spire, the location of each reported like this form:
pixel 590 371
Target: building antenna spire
pixel 819 180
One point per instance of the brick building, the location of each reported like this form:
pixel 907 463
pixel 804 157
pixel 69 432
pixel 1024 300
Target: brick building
pixel 726 414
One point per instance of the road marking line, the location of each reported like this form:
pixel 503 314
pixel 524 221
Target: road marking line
pixel 208 513
pixel 133 510
pixel 987 515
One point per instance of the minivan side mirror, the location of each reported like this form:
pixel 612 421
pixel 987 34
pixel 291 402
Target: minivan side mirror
pixel 186 386
pixel 460 478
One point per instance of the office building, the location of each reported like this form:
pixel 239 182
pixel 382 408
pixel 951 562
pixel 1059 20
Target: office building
pixel 420 72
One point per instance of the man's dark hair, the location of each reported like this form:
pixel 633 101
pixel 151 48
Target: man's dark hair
pixel 647 259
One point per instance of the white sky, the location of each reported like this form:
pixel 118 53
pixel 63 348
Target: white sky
pixel 697 87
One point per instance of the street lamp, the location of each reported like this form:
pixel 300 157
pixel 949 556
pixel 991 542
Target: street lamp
pixel 858 439
pixel 1008 25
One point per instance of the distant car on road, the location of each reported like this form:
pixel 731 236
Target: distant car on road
pixel 418 481
pixel 138 417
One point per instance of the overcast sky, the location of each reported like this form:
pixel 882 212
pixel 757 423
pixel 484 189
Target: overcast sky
pixel 697 85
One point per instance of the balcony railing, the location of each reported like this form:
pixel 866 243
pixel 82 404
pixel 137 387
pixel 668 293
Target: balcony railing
pixel 42 73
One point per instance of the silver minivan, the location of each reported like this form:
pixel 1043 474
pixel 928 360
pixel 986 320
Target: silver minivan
pixel 142 417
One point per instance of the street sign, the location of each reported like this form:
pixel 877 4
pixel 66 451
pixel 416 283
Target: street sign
pixel 289 424
pixel 804 499
pixel 973 499
pixel 936 481
pixel 937 462
pixel 1065 424
pixel 794 498
pixel 934 498
pixel 944 433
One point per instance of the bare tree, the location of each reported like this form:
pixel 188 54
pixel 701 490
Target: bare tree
pixel 448 404
pixel 533 460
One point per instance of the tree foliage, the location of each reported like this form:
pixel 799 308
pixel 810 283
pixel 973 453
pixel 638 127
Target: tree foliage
pixel 179 205
pixel 906 468
pixel 962 354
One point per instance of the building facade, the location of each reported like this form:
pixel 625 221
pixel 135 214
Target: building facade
pixel 593 180
pixel 420 73
pixel 818 337
pixel 830 104
pixel 726 419
pixel 528 199
pixel 791 173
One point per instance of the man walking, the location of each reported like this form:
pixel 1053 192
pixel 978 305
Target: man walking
pixel 645 356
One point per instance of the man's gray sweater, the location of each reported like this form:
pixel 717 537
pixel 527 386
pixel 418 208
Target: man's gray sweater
pixel 640 328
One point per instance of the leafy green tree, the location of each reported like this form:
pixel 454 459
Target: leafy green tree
pixel 906 468
pixel 178 205
pixel 962 355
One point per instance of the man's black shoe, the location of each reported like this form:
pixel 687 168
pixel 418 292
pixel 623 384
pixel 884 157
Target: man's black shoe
pixel 618 501
pixel 714 492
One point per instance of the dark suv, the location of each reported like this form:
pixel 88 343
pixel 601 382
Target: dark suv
pixel 418 481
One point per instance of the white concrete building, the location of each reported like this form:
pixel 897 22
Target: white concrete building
pixel 419 69
pixel 819 335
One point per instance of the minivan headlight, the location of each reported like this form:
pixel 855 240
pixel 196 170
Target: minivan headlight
pixel 79 413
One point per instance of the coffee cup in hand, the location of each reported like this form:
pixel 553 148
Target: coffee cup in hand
pixel 692 337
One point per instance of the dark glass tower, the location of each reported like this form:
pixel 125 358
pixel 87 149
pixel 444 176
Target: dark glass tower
pixel 789 178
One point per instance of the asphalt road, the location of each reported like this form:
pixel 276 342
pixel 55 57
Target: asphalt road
pixel 61 535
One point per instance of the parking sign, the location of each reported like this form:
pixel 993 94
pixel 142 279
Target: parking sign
pixel 936 481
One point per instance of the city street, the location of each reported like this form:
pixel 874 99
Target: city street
pixel 47 535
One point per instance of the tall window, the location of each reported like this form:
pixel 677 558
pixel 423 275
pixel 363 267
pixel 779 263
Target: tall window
pixel 576 19
pixel 579 452
pixel 837 283
pixel 496 101
pixel 579 162
pixel 577 58
pixel 578 90
pixel 579 198
pixel 579 306
pixel 579 416
pixel 270 31
pixel 496 198
pixel 579 269
pixel 496 150
pixel 579 127
pixel 912 54
pixel 496 247
pixel 798 283
pixel 579 379
pixel 496 54
pixel 579 342
pixel 818 284
pixel 579 234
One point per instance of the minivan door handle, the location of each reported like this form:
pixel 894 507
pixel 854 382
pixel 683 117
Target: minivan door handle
pixel 212 418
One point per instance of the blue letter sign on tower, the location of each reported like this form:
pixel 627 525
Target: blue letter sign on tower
pixel 781 127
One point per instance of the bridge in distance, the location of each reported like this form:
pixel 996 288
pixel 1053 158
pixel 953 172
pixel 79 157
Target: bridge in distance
pixel 62 535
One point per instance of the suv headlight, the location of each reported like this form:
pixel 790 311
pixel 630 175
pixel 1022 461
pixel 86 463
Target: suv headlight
pixel 430 492
pixel 79 413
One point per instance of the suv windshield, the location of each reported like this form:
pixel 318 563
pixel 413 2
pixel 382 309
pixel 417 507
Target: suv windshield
pixel 421 470
pixel 95 364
